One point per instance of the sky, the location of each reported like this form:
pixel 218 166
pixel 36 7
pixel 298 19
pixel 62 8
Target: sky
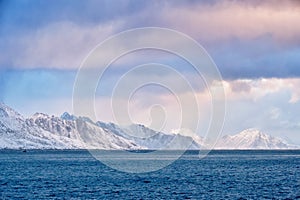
pixel 255 45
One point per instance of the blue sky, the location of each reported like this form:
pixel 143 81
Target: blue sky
pixel 255 44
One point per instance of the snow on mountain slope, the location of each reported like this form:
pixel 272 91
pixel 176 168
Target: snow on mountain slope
pixel 10 118
pixel 82 131
pixel 252 139
pixel 150 139
pixel 15 133
pixel 55 125
pixel 188 133
pixel 67 116
pixel 97 137
pixel 42 131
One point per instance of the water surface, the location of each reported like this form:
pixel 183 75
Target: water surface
pixel 74 174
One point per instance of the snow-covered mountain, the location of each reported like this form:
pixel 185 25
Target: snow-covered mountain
pixel 82 131
pixel 252 139
pixel 146 137
pixel 17 132
pixel 42 131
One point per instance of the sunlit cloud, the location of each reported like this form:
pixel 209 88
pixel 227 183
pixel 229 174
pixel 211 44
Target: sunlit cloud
pixel 241 36
pixel 237 19
pixel 257 88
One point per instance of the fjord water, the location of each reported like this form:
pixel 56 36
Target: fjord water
pixel 74 174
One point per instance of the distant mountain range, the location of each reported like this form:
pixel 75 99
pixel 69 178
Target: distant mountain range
pixel 42 131
pixel 253 139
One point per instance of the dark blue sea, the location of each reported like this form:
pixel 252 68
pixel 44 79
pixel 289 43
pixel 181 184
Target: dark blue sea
pixel 74 174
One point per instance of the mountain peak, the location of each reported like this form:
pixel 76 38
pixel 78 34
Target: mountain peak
pixel 8 112
pixel 67 116
pixel 39 115
pixel 252 132
pixel 252 139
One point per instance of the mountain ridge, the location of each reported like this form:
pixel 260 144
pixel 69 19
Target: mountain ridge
pixel 252 139
pixel 42 131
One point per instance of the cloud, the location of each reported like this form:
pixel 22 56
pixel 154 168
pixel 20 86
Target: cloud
pixel 254 89
pixel 275 113
pixel 58 45
pixel 248 39
pixel 19 17
pixel 240 86
pixel 226 19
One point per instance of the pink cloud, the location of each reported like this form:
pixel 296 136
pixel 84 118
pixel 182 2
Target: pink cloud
pixel 237 19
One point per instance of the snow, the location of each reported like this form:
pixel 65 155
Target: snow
pixel 186 132
pixel 150 139
pixel 42 131
pixel 252 139
pixel 67 116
